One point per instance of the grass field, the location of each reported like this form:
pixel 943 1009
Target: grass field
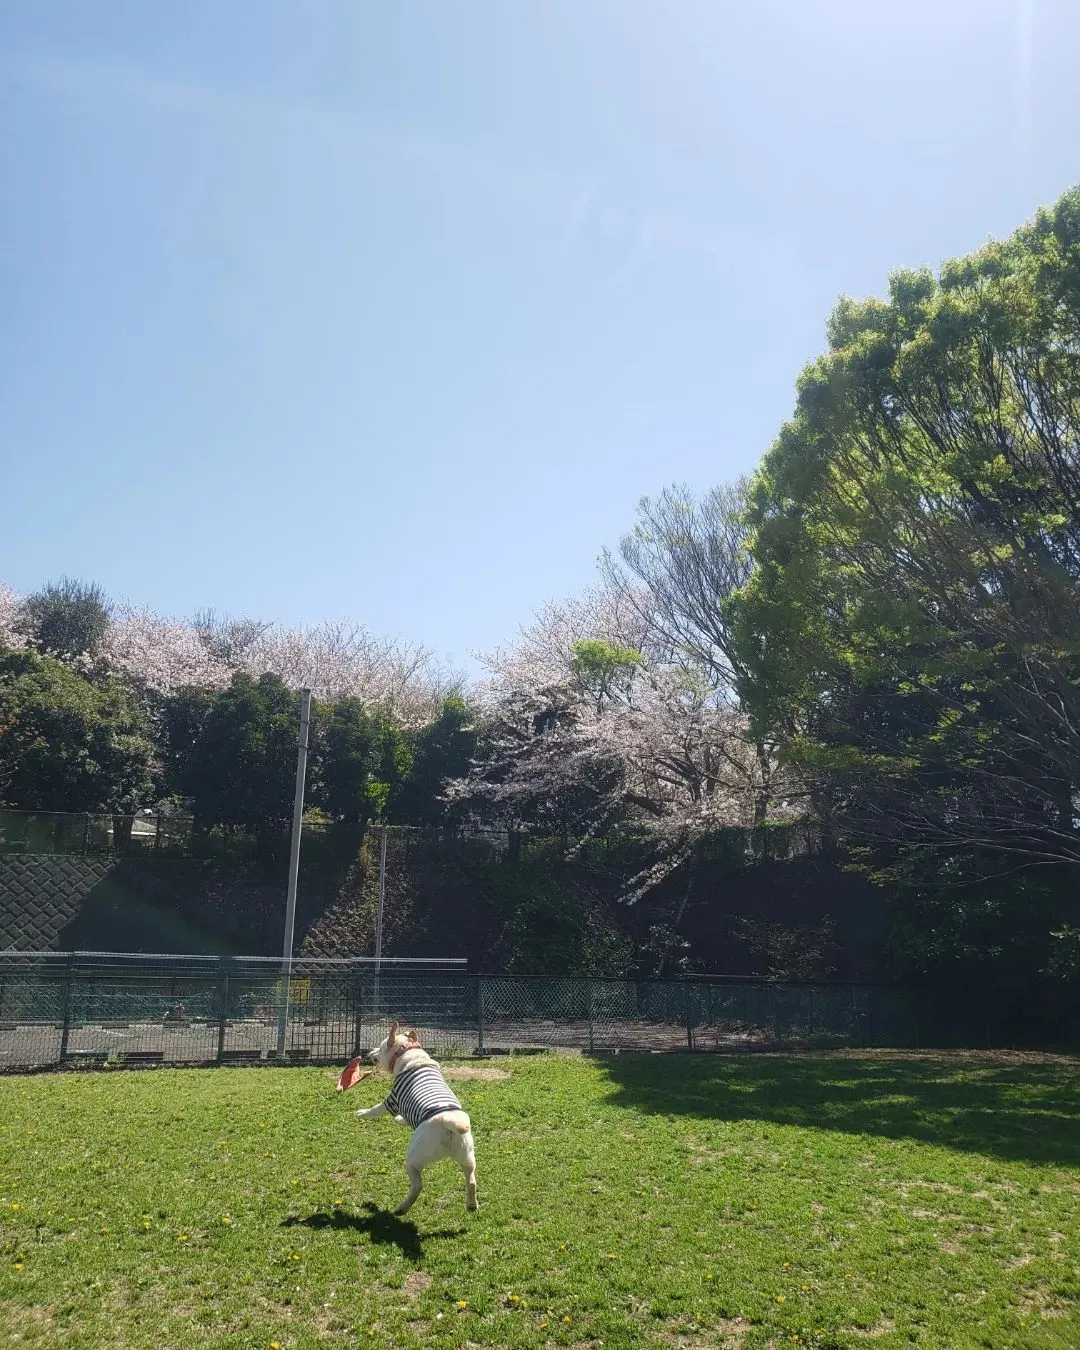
pixel 841 1200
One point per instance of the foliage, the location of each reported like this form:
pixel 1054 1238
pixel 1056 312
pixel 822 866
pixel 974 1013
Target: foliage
pixel 788 951
pixel 441 752
pixel 679 567
pixel 67 744
pixel 642 1201
pixel 10 634
pixel 361 761
pixel 913 624
pixel 237 763
pixel 552 925
pixel 66 619
pixel 590 727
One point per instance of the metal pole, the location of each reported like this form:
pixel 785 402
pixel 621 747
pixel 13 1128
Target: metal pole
pixel 294 864
pixel 66 1031
pixel 223 1008
pixel 379 913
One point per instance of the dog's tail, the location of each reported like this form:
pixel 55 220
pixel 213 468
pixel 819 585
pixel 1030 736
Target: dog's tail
pixel 457 1122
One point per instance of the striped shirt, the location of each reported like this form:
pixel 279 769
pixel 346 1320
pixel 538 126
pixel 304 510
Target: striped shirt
pixel 420 1093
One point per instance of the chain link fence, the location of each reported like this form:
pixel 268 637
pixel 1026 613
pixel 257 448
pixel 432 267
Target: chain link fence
pixel 106 1008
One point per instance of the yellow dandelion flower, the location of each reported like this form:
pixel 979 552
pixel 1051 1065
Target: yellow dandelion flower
pixel 779 1298
pixel 337 1203
pixel 226 1219
pixel 15 1204
pixel 275 1345
pixel 461 1304
pixel 18 1265
pixel 786 1265
pixel 805 1288
pixel 567 1321
pixel 182 1237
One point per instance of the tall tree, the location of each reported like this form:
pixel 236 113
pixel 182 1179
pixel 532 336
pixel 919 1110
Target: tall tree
pixel 913 623
pixel 67 744
pixel 362 761
pixel 441 752
pixel 239 769
pixel 66 619
pixel 681 567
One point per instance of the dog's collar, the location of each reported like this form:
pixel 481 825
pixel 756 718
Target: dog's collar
pixel 399 1051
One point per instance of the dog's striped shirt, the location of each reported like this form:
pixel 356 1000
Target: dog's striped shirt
pixel 420 1093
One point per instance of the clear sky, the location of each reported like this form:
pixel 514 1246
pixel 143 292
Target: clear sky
pixel 395 310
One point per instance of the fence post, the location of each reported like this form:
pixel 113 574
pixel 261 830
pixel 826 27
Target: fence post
pixel 479 1014
pixel 86 835
pixel 858 1025
pixel 775 1016
pixel 686 1014
pixel 67 1008
pixel 589 1011
pixel 358 1025
pixel 223 1006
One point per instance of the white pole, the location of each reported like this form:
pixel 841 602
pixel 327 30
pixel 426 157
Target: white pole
pixel 294 864
pixel 379 914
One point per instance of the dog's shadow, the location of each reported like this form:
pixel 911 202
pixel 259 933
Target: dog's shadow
pixel 380 1225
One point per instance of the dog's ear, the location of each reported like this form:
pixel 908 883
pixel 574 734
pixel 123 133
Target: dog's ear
pixel 392 1037
pixel 414 1035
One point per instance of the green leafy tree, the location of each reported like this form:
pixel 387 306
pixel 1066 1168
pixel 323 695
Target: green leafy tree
pixel 67 744
pixel 180 720
pixel 442 751
pixel 913 622
pixel 363 761
pixel 235 756
pixel 603 670
pixel 66 619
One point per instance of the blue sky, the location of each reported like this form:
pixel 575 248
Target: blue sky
pixel 394 311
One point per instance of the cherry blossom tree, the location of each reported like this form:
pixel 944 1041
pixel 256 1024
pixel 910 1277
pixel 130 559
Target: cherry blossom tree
pixel 336 659
pixel 10 635
pixel 162 655
pixel 593 722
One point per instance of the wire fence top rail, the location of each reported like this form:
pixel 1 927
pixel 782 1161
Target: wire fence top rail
pixel 94 1008
pixel 455 962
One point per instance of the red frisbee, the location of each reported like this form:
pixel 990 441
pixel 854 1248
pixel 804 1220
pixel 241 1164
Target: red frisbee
pixel 351 1075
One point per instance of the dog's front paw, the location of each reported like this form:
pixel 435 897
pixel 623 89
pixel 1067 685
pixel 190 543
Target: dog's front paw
pixel 361 1113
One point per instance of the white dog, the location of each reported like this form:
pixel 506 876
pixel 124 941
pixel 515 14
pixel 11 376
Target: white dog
pixel 419 1097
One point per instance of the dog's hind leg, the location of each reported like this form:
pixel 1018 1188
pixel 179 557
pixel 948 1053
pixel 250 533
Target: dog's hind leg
pixel 465 1157
pixel 470 1188
pixel 416 1181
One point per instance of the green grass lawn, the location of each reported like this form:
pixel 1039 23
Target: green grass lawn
pixel 829 1201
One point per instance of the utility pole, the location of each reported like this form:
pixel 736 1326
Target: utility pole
pixel 294 867
pixel 379 914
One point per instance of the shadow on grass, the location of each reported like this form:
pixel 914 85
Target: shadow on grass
pixel 1025 1111
pixel 380 1225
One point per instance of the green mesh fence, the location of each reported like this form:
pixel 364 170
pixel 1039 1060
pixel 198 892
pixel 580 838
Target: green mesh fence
pixel 106 1008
